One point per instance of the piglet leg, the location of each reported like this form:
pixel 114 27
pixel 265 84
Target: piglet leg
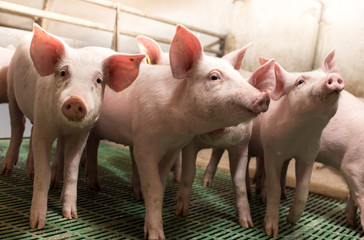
pixel 42 145
pixel 238 156
pixel 189 155
pixel 74 146
pixel 212 166
pixel 303 175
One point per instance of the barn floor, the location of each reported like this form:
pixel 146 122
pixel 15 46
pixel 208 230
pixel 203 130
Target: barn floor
pixel 112 213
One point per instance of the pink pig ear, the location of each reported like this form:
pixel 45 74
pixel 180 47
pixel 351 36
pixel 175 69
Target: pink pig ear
pixel 45 51
pixel 236 57
pixel 151 48
pixel 122 70
pixel 184 52
pixel 263 78
pixel 263 60
pixel 329 64
pixel 281 77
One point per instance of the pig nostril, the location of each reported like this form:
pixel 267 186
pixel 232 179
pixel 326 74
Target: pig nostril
pixel 68 106
pixel 80 109
pixel 340 81
pixel 329 81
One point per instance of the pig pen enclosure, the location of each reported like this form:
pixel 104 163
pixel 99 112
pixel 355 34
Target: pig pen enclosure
pixel 298 34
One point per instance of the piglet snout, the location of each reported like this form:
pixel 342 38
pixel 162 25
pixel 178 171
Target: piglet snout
pixel 335 83
pixel 74 109
pixel 262 103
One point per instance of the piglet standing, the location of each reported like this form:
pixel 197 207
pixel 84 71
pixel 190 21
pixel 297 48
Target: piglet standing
pixel 167 106
pixel 60 89
pixel 341 148
pixel 235 139
pixel 292 127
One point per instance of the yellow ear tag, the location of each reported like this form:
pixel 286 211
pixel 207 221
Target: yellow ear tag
pixel 148 60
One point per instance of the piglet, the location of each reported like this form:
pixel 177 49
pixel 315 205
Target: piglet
pixel 235 139
pixel 167 106
pixel 341 149
pixel 60 89
pixel 292 127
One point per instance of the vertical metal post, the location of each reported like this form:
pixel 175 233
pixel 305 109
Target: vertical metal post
pixel 115 42
pixel 40 21
pixel 318 36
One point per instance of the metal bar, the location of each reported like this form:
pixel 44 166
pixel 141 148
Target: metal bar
pixel 33 12
pixel 165 40
pixel 116 30
pixel 137 12
pixel 213 43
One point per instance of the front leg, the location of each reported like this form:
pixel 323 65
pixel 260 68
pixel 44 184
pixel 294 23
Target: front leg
pixel 41 145
pixel 238 157
pixel 147 157
pixel 189 155
pixel 212 166
pixel 273 168
pixel 304 168
pixel 74 145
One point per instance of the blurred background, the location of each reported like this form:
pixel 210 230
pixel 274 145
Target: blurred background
pixel 297 33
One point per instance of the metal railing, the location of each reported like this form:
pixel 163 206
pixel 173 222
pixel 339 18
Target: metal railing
pixel 39 14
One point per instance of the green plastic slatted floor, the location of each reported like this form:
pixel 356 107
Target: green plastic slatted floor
pixel 113 213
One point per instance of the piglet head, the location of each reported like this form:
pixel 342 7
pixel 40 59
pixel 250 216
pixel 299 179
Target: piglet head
pixel 77 77
pixel 212 86
pixel 314 92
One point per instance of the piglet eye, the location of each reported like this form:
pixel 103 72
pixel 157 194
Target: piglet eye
pixel 214 77
pixel 98 80
pixel 63 72
pixel 300 81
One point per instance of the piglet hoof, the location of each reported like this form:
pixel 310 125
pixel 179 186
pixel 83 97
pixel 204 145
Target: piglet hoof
pixel 291 220
pixel 5 169
pixel 37 218
pixel 246 223
pixel 182 207
pixel 153 234
pixel 69 213
pixel 207 183
pixel 271 226
pixel 95 185
pixel 352 222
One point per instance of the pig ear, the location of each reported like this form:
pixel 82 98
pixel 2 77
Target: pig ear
pixel 122 70
pixel 263 78
pixel 263 60
pixel 329 64
pixel 281 76
pixel 236 57
pixel 151 48
pixel 45 51
pixel 184 52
